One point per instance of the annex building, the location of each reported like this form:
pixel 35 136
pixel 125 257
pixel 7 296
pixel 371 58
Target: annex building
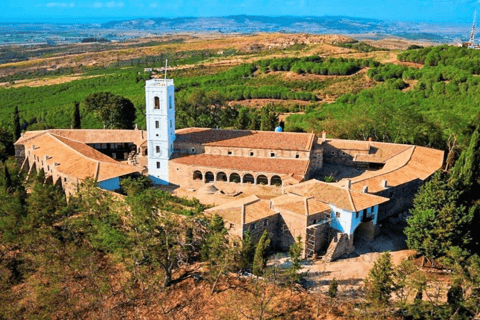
pixel 327 216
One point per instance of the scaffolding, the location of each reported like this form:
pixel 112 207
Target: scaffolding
pixel 311 241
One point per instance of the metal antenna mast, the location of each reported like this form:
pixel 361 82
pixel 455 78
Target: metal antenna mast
pixel 166 64
pixel 473 33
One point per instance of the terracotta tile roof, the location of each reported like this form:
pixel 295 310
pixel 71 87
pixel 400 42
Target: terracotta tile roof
pixel 338 196
pixel 296 204
pixel 247 139
pixel 368 151
pixel 93 135
pixel 412 164
pixel 255 209
pixel 279 166
pixel 75 159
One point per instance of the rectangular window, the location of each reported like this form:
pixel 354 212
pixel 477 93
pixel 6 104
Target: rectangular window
pixel 272 154
pixel 297 156
pixel 356 215
pixel 251 154
pixel 230 153
pixel 157 103
pixel 158 149
pixel 337 214
pixel 193 150
pixel 158 165
pixel 170 123
pixel 157 124
pixel 170 102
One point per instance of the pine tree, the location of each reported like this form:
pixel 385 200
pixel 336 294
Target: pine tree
pixel 247 252
pixel 260 259
pixel 333 289
pixel 16 125
pixel 76 121
pixel 379 282
pixel 295 252
pixel 8 179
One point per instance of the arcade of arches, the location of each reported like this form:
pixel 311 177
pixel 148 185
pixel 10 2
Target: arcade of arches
pixel 261 179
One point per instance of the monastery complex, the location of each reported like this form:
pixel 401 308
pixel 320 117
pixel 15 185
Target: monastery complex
pixel 327 216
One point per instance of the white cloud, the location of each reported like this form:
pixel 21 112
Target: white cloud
pixel 56 5
pixel 72 4
pixel 113 4
pixel 110 4
pixel 98 5
pixel 154 5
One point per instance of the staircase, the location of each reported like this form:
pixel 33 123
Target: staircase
pixel 338 247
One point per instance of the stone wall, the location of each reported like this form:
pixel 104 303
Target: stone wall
pixel 20 153
pixel 291 225
pixel 258 227
pixel 401 199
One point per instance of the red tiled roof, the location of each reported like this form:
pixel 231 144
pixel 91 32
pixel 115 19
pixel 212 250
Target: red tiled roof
pixel 279 166
pixel 338 196
pixel 247 139
pixel 74 158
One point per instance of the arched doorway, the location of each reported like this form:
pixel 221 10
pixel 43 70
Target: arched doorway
pixel 276 181
pixel 235 177
pixel 209 177
pixel 221 176
pixel 263 180
pixel 248 178
pixel 197 175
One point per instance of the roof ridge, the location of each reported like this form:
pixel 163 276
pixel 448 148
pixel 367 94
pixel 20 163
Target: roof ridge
pixel 351 199
pixel 55 136
pixel 388 171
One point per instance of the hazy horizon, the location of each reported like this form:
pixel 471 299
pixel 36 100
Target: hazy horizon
pixel 455 12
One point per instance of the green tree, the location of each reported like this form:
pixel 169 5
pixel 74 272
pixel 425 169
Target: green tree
pixel 17 131
pixel 260 258
pixel 6 144
pixel 115 112
pixel 243 119
pixel 333 289
pixel 438 220
pixel 295 252
pixel 379 283
pixel 76 121
pixel 268 118
pixel 247 252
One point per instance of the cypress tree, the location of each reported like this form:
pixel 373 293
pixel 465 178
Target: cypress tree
pixel 333 288
pixel 76 121
pixel 379 282
pixel 17 131
pixel 8 179
pixel 260 259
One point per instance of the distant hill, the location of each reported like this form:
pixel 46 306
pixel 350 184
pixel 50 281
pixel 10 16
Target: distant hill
pixel 293 24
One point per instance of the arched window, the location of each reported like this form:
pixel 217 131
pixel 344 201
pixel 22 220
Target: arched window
pixel 209 177
pixel 221 176
pixel 263 180
pixel 248 178
pixel 197 175
pixel 235 177
pixel 276 181
pixel 157 103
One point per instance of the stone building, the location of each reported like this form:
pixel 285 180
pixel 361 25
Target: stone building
pixel 373 180
pixel 70 156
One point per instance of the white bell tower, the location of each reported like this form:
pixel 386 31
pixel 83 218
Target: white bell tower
pixel 160 95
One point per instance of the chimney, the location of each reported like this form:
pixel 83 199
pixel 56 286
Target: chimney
pixel 305 201
pixel 136 126
pixel 349 184
pixel 384 184
pixel 324 136
pixel 365 189
pixel 22 134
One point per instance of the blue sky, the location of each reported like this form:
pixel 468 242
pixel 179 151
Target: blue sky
pixel 444 11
